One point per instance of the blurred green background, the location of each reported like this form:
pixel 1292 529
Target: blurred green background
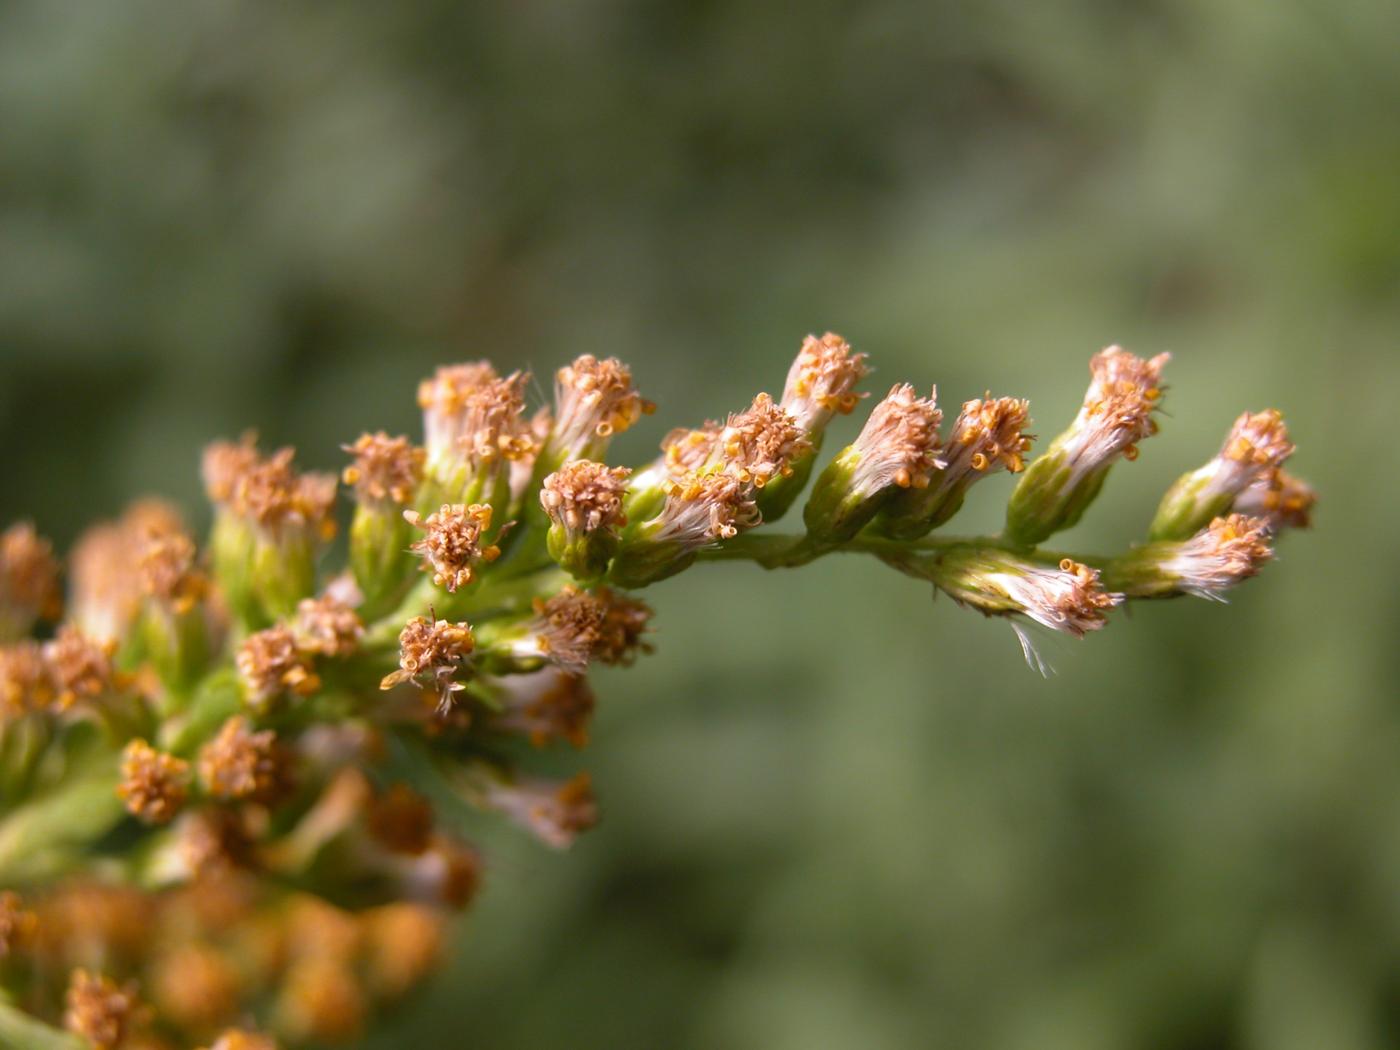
pixel 836 815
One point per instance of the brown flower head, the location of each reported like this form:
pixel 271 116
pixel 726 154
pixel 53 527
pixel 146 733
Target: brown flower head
pixel 25 682
pixel 989 435
pixel 585 497
pixel 1229 550
pixel 1068 599
pixel 81 668
pixel 566 629
pixel 701 509
pixel 454 542
pixel 168 570
pixel 328 626
pixel 243 764
pixel 271 664
pixel 387 470
pixel 17 924
pixel 622 634
pixel 28 580
pixel 100 1010
pixel 554 811
pixel 474 421
pixel 403 945
pixel 760 443
pixel 268 492
pixel 1123 394
pixel 899 445
pixel 1284 501
pixel 401 820
pixel 754 446
pixel 154 784
pixel 594 401
pixel 822 380
pixel 546 705
pixel 432 653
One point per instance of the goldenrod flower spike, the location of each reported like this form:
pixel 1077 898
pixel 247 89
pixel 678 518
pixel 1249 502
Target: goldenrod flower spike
pixel 239 831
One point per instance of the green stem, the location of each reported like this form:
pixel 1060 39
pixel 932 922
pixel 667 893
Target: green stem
pixel 21 1032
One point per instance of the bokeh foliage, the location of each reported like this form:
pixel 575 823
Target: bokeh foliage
pixel 835 815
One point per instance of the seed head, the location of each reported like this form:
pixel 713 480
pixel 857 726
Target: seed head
pixel 101 1011
pixel 594 401
pixel 154 784
pixel 454 543
pixel 387 470
pixel 271 664
pixel 821 381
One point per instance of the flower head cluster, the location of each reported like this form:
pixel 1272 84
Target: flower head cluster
pixel 268 492
pixel 215 737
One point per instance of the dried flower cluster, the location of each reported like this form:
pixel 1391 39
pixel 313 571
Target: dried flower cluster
pixel 200 842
